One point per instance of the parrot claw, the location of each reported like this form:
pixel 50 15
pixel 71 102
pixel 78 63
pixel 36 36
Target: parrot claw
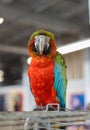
pixel 52 107
pixel 41 108
pixel 49 107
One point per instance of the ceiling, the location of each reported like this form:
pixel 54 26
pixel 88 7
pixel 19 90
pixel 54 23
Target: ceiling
pixel 67 19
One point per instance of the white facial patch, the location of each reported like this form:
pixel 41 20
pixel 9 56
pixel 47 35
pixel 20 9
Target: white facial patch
pixel 41 42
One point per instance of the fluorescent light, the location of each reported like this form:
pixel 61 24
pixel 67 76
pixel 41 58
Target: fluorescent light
pixel 1 79
pixel 1 75
pixel 1 72
pixel 1 20
pixel 74 46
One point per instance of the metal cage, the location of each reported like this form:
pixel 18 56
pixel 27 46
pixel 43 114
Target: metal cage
pixel 46 120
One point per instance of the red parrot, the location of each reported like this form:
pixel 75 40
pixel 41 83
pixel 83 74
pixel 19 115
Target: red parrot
pixel 47 70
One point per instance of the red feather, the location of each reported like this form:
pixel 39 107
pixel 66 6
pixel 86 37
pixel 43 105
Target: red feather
pixel 41 73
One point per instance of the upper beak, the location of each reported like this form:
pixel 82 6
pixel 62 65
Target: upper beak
pixel 41 43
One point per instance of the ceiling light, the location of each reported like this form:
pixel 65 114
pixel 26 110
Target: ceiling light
pixel 1 79
pixel 74 46
pixel 1 20
pixel 1 75
pixel 1 72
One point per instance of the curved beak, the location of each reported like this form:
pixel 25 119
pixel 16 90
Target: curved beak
pixel 41 43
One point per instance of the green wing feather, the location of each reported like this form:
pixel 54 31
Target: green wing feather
pixel 60 79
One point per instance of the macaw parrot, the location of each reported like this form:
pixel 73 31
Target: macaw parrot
pixel 47 70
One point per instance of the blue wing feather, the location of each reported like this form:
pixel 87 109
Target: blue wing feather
pixel 60 80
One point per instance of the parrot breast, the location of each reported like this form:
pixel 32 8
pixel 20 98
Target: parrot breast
pixel 41 73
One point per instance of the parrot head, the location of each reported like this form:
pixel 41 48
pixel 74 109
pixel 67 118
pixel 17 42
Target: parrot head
pixel 41 43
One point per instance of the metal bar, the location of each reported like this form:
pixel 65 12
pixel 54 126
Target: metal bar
pixel 50 120
pixel 43 114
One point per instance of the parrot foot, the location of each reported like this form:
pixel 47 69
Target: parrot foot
pixel 48 107
pixel 40 108
pixel 52 107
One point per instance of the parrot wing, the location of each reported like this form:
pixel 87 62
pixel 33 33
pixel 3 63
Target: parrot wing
pixel 60 79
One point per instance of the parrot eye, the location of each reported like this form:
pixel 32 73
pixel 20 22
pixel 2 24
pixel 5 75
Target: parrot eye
pixel 36 45
pixel 34 48
pixel 47 50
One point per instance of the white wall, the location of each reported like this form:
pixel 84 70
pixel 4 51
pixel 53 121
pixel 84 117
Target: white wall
pixel 87 75
pixel 81 85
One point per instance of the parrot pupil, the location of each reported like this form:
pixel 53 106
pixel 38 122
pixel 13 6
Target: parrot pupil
pixel 47 51
pixel 34 49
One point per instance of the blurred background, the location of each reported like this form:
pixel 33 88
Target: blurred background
pixel 69 21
